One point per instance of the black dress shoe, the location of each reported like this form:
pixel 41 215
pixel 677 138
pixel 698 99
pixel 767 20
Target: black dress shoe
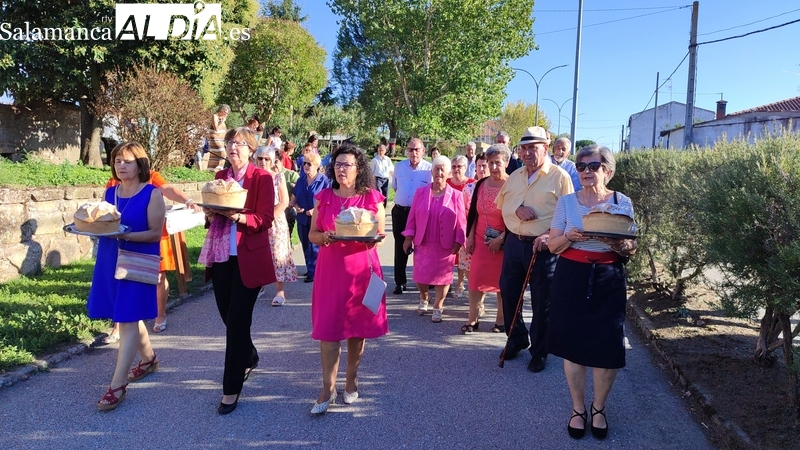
pixel 599 433
pixel 308 280
pixel 398 290
pixel 225 408
pixel 537 364
pixel 512 352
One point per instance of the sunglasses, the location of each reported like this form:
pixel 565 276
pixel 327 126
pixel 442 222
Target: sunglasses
pixel 594 166
pixel 260 158
pixel 307 164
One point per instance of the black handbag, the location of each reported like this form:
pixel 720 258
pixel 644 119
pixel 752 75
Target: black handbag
pixel 490 234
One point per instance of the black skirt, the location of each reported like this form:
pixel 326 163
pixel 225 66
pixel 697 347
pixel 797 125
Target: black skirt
pixel 586 322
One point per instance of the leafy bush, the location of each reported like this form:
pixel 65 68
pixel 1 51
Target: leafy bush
pixel 37 172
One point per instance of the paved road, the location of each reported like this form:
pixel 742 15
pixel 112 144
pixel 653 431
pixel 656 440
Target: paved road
pixel 424 385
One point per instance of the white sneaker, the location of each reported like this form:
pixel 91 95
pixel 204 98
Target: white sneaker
pixel 278 301
pixel 423 307
pixel 437 315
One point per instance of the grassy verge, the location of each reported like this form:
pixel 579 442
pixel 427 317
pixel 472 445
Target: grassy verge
pixel 42 312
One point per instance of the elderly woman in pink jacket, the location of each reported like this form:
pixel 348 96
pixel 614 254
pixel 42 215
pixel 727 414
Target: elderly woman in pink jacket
pixel 435 231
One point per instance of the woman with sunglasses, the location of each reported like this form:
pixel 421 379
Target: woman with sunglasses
pixel 279 238
pixel 238 260
pixel 307 187
pixel 588 292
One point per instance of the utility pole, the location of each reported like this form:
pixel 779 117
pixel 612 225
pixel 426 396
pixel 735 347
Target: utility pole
pixel 692 81
pixel 655 113
pixel 622 139
pixel 577 73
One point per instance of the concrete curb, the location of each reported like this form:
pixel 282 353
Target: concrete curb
pixel 48 361
pixel 727 432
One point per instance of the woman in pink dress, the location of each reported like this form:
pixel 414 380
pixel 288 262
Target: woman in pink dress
pixel 436 229
pixel 343 274
pixel 487 254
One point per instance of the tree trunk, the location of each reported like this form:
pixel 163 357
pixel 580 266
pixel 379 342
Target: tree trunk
pixel 788 354
pixel 91 132
pixel 653 270
pixel 767 334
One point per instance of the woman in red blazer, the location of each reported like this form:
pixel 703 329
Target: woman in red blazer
pixel 237 255
pixel 436 229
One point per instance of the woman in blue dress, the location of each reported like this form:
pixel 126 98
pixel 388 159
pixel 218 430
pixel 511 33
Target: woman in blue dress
pixel 128 302
pixel 308 186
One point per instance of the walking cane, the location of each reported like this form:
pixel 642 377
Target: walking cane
pixel 517 312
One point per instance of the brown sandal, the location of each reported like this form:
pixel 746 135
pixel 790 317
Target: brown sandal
pixel 143 369
pixel 110 399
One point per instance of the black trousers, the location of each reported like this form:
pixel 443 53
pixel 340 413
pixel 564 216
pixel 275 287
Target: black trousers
pixel 235 303
pixel 399 220
pixel 516 260
pixel 382 185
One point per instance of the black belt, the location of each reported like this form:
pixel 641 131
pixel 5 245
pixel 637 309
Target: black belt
pixel 524 238
pixel 404 208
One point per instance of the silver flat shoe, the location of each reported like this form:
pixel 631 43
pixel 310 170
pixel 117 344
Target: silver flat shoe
pixel 320 408
pixel 349 398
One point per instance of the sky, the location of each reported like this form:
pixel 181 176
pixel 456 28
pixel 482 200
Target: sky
pixel 626 42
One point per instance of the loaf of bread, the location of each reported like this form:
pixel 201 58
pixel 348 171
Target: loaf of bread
pixel 356 222
pixel 609 218
pixel 226 193
pixel 97 218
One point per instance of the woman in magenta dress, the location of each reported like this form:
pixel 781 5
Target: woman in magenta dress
pixel 436 229
pixel 343 274
pixel 487 255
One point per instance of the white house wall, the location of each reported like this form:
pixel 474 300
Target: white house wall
pixel 669 115
pixel 751 126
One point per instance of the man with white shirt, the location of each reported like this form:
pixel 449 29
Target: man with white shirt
pixel 409 175
pixel 470 153
pixel 382 169
pixel 560 157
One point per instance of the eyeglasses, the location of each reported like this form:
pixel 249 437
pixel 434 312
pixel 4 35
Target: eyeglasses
pixel 263 158
pixel 416 149
pixel 343 166
pixel 307 164
pixel 594 166
pixel 236 143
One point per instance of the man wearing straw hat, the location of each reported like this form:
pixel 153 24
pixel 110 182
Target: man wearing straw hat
pixel 528 201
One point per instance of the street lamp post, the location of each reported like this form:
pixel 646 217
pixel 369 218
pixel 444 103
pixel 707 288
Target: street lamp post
pixel 559 111
pixel 537 86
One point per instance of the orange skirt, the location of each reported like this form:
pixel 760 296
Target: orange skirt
pixel 167 255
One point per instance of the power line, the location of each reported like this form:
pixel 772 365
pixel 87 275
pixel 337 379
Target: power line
pixel 748 24
pixel 662 84
pixel 614 21
pixel 599 10
pixel 748 34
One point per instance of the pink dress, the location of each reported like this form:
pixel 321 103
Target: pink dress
pixel 433 264
pixel 484 274
pixel 281 242
pixel 342 277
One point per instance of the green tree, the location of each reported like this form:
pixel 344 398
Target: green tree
pixel 281 68
pixel 517 116
pixel 73 70
pixel 429 67
pixel 579 144
pixel 285 9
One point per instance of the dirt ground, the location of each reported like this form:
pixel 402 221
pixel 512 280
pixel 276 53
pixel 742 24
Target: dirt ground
pixel 712 353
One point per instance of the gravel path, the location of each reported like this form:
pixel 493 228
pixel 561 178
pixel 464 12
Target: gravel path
pixel 424 385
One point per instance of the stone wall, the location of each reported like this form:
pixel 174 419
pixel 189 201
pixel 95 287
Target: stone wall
pixel 50 132
pixel 32 221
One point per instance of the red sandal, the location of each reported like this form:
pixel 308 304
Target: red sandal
pixel 109 400
pixel 143 369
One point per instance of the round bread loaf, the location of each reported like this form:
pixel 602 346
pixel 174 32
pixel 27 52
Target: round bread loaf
pixel 97 218
pixel 609 218
pixel 356 222
pixel 226 193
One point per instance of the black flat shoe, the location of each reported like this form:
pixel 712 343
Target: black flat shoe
pixel 398 290
pixel 308 280
pixel 577 433
pixel 537 364
pixel 249 371
pixel 225 408
pixel 599 433
pixel 467 328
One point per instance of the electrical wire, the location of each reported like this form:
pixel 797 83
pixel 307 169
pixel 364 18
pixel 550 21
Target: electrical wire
pixel 599 10
pixel 748 34
pixel 614 21
pixel 747 24
pixel 662 84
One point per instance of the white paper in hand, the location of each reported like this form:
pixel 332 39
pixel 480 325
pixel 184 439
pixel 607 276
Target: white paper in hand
pixel 374 294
